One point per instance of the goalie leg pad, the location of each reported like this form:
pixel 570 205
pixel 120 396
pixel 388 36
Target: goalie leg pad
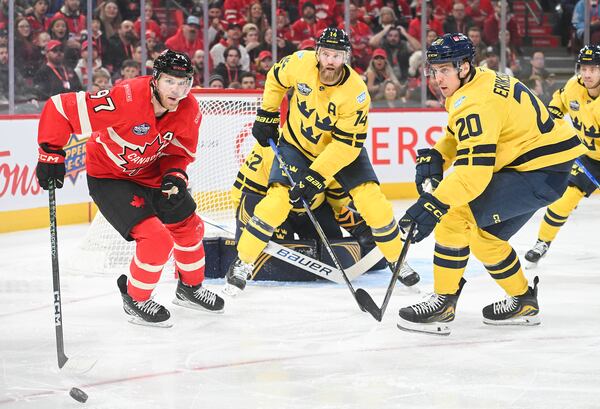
pixel 153 248
pixel 188 250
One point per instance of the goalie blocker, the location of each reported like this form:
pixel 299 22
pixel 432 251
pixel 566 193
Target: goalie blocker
pixel 221 252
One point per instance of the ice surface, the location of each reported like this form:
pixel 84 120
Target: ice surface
pixel 304 345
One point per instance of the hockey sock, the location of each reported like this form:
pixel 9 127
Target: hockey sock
pixel 188 250
pixel 378 214
pixel 153 248
pixel 501 262
pixel 268 215
pixel 558 212
pixel 449 265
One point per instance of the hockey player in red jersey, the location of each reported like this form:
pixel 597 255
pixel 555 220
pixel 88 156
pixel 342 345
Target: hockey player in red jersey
pixel 143 134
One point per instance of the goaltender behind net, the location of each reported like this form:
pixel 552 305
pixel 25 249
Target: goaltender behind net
pixel 332 208
pixel 143 135
pixel 510 159
pixel 322 140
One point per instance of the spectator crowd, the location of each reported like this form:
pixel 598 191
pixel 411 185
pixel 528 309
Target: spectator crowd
pixel 52 43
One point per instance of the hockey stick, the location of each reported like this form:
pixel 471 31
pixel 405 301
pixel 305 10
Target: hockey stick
pixel 587 173
pixel 310 264
pixel 58 326
pixel 363 295
pixel 80 365
pixel 365 302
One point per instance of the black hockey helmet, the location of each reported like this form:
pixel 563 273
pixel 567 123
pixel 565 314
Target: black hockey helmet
pixel 173 63
pixel 335 38
pixel 589 55
pixel 452 47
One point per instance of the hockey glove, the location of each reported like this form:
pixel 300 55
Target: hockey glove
pixel 430 165
pixel 310 183
pixel 266 126
pixel 426 213
pixel 174 186
pixel 50 166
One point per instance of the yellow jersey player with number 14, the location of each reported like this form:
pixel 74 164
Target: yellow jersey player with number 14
pixel 510 159
pixel 321 141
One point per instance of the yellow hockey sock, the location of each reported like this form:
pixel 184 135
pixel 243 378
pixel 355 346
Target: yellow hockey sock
pixel 558 212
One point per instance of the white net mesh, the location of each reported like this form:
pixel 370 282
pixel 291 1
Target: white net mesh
pixel 225 140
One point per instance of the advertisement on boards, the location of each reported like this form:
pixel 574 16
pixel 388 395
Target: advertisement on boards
pixel 19 188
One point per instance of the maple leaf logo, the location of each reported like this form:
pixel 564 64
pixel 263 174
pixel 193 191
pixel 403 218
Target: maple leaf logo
pixel 138 202
pixel 135 159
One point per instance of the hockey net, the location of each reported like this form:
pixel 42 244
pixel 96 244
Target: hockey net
pixel 224 141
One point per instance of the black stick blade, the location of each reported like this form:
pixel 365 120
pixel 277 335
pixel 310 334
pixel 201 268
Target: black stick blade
pixel 367 303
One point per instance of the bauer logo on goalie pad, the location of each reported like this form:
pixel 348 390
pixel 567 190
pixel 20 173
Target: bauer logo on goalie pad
pixel 304 261
pixel 141 129
pixel 304 89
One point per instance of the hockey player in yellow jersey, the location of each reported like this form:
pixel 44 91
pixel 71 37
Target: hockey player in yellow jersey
pixel 579 99
pixel 322 140
pixel 332 208
pixel 510 158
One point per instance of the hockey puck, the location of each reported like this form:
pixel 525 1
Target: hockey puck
pixel 78 395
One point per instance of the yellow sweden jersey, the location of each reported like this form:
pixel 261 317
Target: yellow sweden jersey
pixel 328 124
pixel 494 123
pixel 253 177
pixel 584 111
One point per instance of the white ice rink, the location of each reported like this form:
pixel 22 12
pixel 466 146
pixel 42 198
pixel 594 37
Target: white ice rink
pixel 288 346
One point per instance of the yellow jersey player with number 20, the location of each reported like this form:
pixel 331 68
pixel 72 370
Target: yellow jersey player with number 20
pixel 510 158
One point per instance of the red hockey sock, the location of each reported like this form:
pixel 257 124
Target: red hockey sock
pixel 189 250
pixel 152 251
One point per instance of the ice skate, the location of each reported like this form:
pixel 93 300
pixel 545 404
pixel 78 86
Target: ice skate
pixel 237 275
pixel 198 297
pixel 534 255
pixel 408 276
pixel 519 310
pixel 148 312
pixel 432 315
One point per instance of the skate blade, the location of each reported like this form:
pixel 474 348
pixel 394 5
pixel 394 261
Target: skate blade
pixel 143 323
pixel 530 265
pixel 230 290
pixel 435 328
pixel 194 306
pixel 522 320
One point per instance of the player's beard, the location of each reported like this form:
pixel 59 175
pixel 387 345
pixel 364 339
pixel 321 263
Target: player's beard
pixel 330 76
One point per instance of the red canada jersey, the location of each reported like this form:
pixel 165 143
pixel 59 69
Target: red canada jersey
pixel 126 139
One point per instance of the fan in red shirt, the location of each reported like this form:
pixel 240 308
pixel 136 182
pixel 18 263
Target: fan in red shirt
pixel 307 26
pixel 143 134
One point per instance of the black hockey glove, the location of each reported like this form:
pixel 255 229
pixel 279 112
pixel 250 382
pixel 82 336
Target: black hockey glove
pixel 310 183
pixel 50 166
pixel 174 187
pixel 266 126
pixel 426 213
pixel 430 165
